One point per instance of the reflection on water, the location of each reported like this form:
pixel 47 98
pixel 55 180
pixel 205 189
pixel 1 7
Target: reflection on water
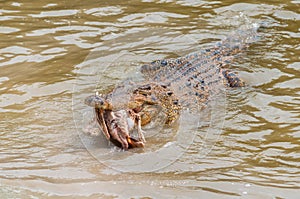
pixel 46 45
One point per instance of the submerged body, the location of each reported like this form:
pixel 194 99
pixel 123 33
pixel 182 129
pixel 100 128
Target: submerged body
pixel 169 86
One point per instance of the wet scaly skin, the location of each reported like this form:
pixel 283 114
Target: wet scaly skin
pixel 170 85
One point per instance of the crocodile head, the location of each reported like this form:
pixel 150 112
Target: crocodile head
pixel 115 125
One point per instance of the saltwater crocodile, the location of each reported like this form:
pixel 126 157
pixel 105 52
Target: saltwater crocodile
pixel 170 85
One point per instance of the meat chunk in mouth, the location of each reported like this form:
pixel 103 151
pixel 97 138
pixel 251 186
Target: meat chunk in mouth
pixel 117 125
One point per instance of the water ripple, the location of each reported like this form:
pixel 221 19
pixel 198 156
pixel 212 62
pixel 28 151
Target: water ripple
pixel 44 44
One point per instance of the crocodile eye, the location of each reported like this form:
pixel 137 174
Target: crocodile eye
pixel 163 62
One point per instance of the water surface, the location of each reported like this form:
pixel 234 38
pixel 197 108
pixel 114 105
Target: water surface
pixel 50 55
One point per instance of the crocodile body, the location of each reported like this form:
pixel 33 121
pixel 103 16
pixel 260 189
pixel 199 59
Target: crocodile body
pixel 169 86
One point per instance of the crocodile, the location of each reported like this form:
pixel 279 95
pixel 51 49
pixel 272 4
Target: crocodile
pixel 169 86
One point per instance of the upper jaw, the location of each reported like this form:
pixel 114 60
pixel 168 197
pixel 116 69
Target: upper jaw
pixel 97 101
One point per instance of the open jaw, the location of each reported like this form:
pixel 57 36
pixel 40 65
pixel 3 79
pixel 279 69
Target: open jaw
pixel 117 125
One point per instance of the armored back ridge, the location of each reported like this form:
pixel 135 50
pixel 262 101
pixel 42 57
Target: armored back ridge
pixel 196 75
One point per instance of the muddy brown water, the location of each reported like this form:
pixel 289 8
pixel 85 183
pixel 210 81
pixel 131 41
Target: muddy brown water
pixel 55 53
